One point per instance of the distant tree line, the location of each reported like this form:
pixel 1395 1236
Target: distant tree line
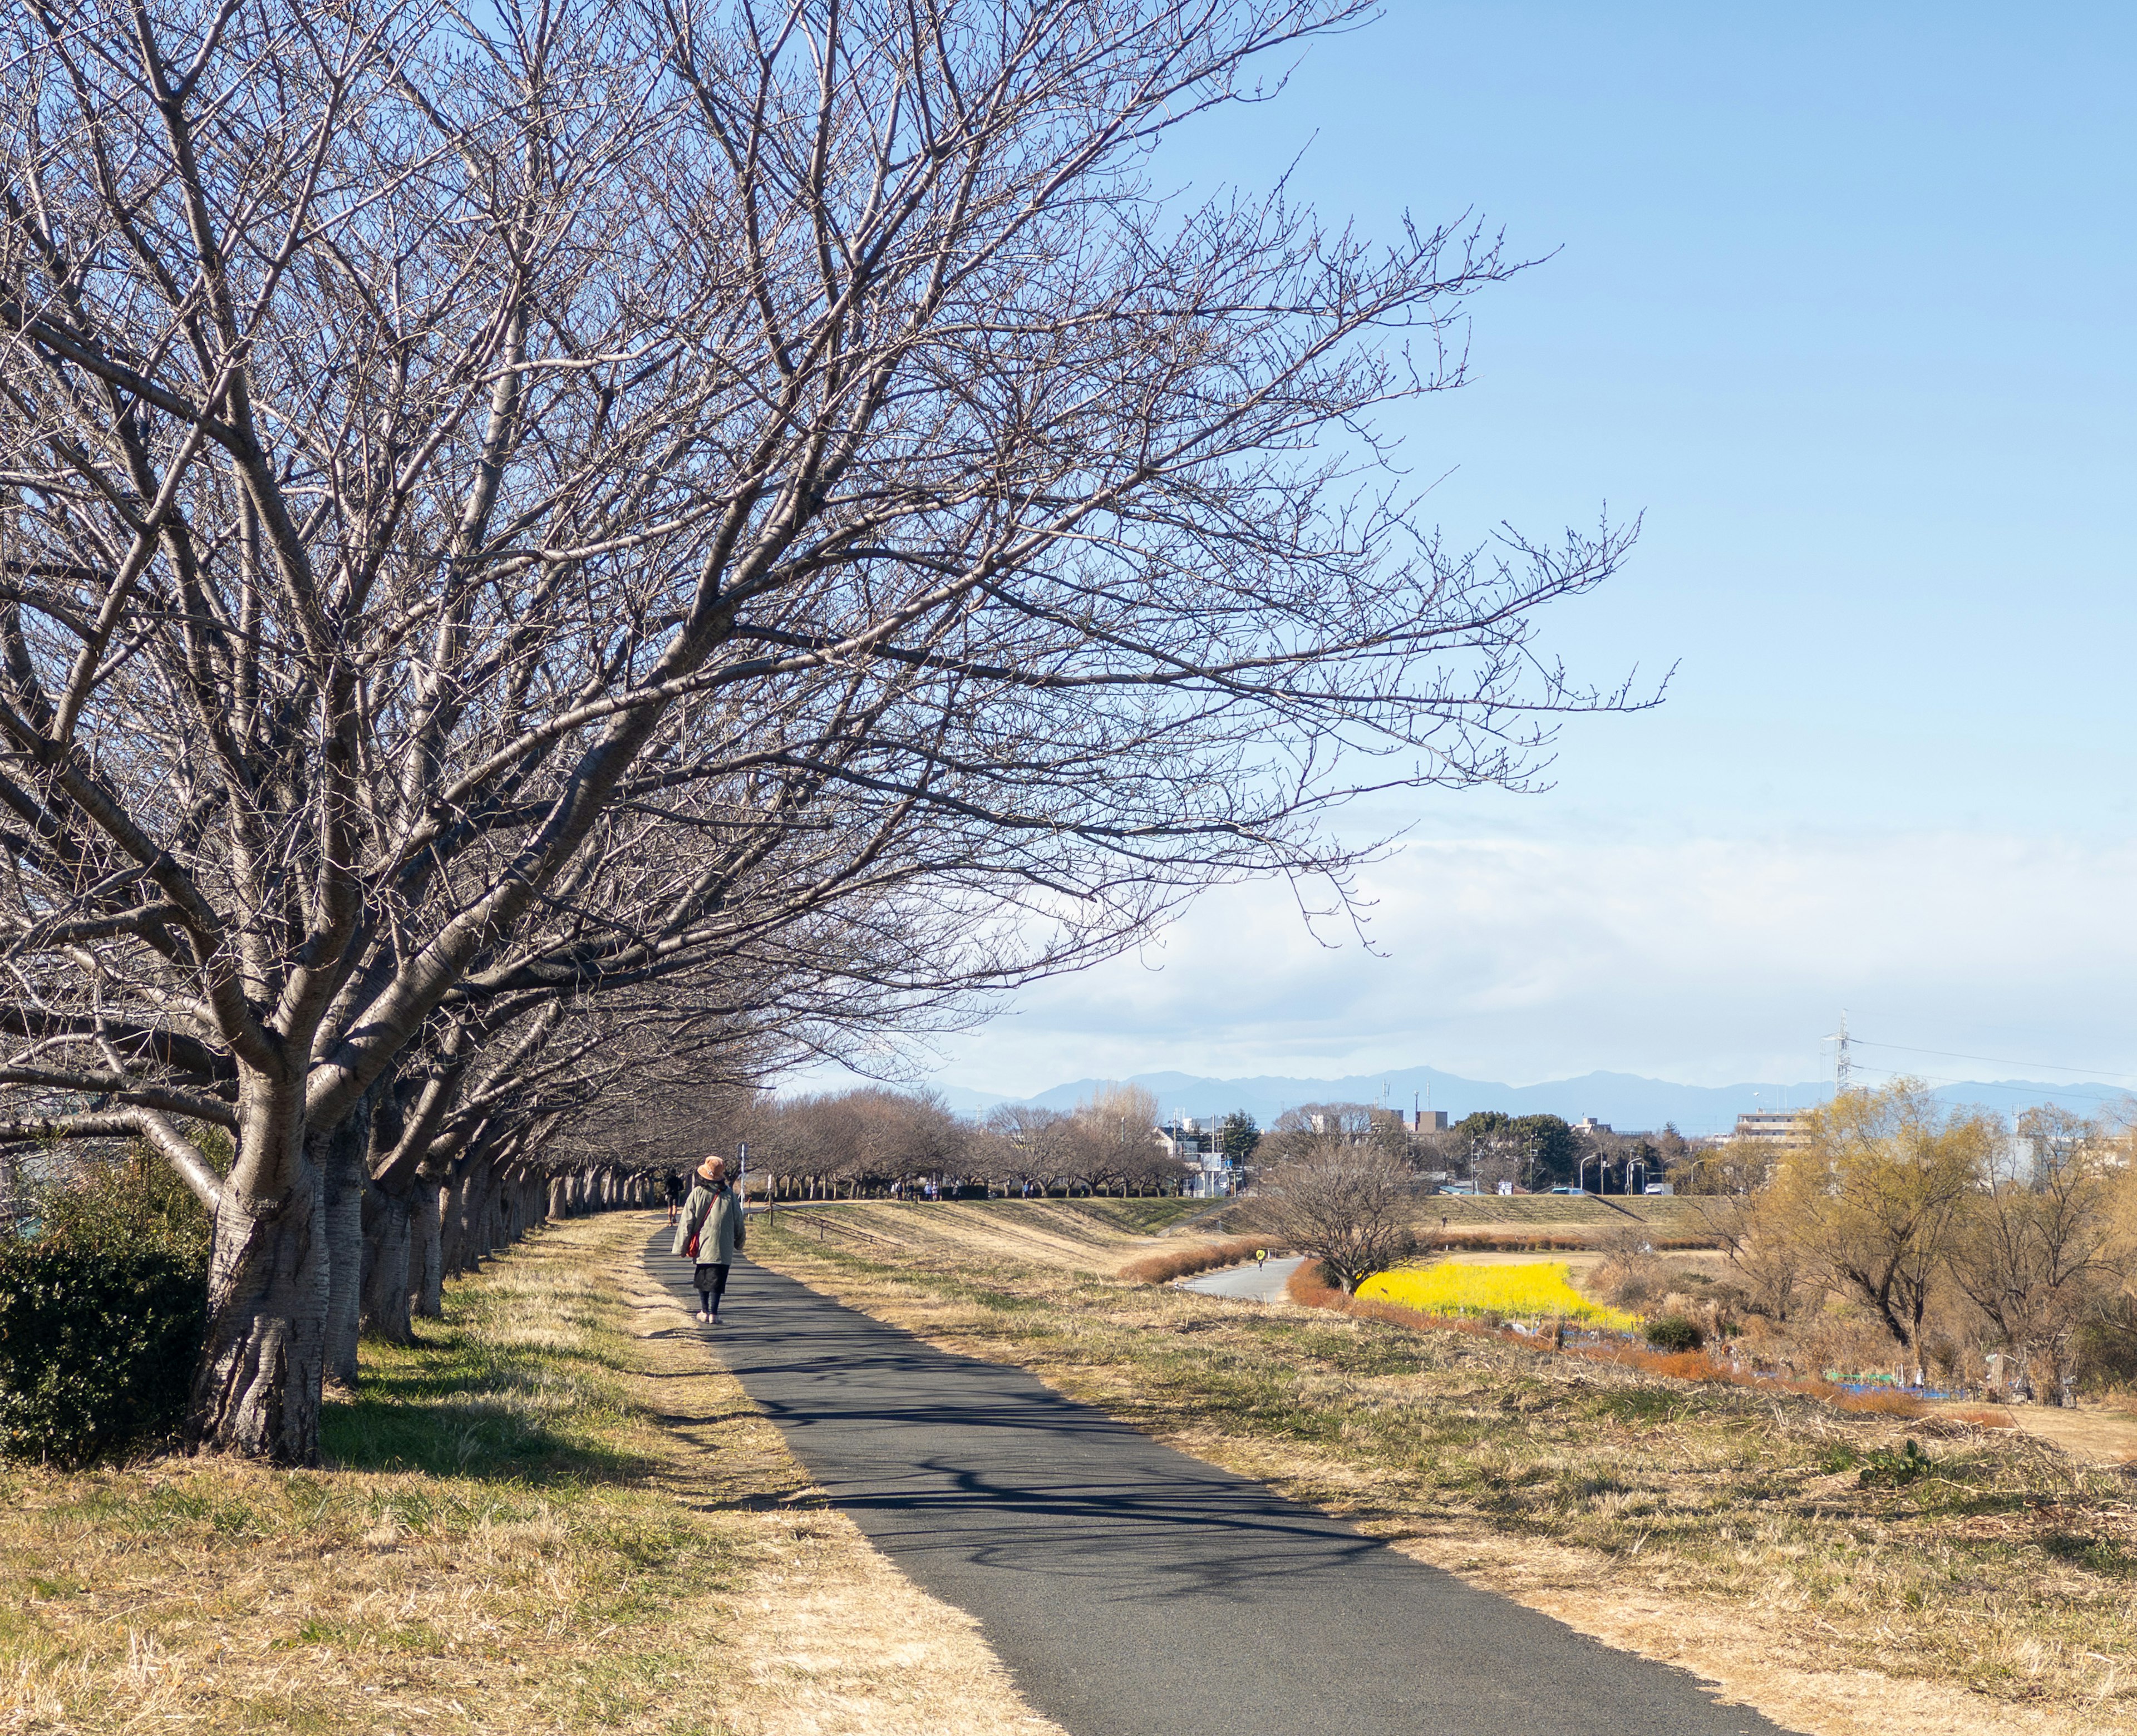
pixel 875 1142
pixel 1532 1152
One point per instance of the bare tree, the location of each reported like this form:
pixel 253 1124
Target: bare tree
pixel 448 458
pixel 1026 1148
pixel 1119 1123
pixel 1755 1233
pixel 2041 1254
pixel 1349 1206
pixel 1876 1197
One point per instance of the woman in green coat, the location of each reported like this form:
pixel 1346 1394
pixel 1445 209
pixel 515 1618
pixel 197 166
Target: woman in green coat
pixel 711 1232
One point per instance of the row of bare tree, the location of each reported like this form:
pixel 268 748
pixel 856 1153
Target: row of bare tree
pixel 628 543
pixel 879 1142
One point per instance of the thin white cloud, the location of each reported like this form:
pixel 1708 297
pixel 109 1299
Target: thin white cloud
pixel 1701 961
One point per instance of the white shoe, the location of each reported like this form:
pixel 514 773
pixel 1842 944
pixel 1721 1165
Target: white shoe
pixel 701 1314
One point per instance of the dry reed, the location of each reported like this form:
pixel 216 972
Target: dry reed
pixel 1309 1289
pixel 1162 1268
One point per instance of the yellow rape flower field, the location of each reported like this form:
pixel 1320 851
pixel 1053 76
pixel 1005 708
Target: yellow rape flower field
pixel 1532 1291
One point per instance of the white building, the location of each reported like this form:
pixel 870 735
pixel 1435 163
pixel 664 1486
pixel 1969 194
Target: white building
pixel 1194 1143
pixel 1778 1126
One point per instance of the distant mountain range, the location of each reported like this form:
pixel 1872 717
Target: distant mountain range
pixel 1625 1100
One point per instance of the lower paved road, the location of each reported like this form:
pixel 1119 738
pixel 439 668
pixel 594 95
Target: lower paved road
pixel 1263 1283
pixel 1136 1592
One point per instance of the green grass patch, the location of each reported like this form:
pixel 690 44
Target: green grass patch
pixel 488 1533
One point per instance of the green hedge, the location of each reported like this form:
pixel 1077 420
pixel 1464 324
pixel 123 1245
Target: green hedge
pixel 101 1315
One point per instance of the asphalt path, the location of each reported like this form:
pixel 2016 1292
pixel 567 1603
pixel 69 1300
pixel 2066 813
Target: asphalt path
pixel 1263 1283
pixel 1133 1591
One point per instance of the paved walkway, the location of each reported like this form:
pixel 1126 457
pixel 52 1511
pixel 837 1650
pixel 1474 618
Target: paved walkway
pixel 1136 1592
pixel 1263 1283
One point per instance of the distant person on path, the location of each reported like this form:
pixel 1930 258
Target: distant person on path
pixel 674 1183
pixel 711 1233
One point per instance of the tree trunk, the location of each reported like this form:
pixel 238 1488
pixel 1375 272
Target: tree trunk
pixel 490 1233
pixel 257 1385
pixel 454 1219
pixel 338 1155
pixel 482 1213
pixel 388 1219
pixel 427 1259
pixel 474 1215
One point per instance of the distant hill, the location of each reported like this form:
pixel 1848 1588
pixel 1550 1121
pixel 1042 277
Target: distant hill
pixel 1625 1100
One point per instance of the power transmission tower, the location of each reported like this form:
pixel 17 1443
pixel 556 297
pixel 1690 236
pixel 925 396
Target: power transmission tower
pixel 1843 1067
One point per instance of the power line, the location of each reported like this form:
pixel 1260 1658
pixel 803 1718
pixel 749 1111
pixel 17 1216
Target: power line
pixel 2100 1073
pixel 2073 1096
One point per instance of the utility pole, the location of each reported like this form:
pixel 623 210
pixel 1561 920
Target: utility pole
pixel 1843 1067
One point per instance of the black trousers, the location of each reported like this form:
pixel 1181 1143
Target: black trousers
pixel 713 1282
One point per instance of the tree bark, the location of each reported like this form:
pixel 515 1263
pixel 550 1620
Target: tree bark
pixel 256 1386
pixel 427 1258
pixel 452 1216
pixel 338 1157
pixel 388 1227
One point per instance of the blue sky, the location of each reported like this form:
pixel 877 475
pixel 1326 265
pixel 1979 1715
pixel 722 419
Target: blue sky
pixel 1841 303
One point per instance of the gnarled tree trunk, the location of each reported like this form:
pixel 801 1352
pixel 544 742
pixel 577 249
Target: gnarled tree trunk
pixel 256 1386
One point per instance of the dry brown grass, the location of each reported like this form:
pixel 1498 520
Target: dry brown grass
pixel 1670 1214
pixel 1520 1238
pixel 2102 1433
pixel 1794 1552
pixel 1068 1235
pixel 559 1516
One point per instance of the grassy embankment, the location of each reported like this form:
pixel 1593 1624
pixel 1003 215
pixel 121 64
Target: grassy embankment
pixel 556 1515
pixel 1803 1558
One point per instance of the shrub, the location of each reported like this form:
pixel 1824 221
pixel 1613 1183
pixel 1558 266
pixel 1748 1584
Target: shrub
pixel 2107 1346
pixel 1889 1469
pixel 1185 1263
pixel 1984 1418
pixel 101 1315
pixel 1675 1334
pixel 1881 1403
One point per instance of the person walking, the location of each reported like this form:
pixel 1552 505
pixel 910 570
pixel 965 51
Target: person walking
pixel 711 1232
pixel 674 1183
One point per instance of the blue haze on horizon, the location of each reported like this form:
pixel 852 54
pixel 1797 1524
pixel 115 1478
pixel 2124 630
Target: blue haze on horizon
pixel 1839 302
pixel 1623 1101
